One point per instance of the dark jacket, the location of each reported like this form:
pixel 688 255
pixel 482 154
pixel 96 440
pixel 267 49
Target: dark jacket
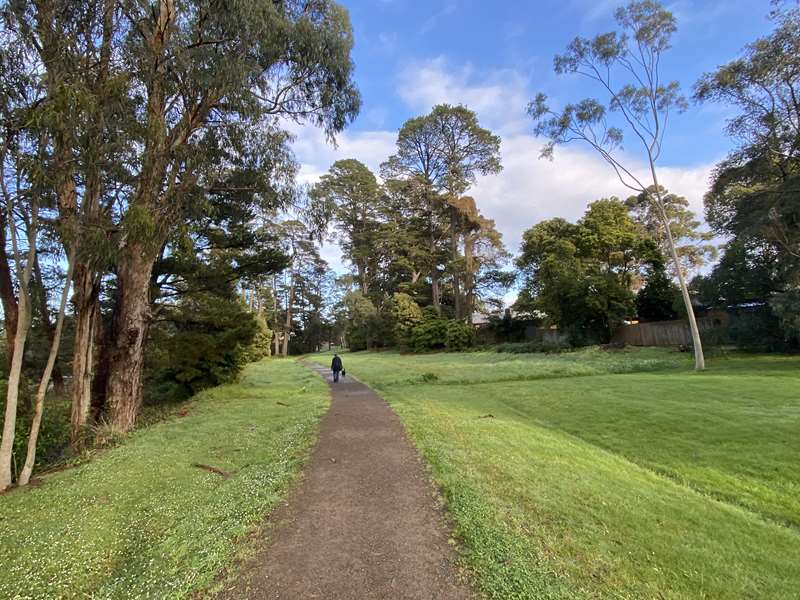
pixel 336 364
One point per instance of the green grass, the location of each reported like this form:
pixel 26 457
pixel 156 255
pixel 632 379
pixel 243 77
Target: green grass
pixel 610 474
pixel 141 521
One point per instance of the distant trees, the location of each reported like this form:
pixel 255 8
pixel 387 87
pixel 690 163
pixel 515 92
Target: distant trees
pixel 626 65
pixel 415 240
pixel 580 276
pixel 442 153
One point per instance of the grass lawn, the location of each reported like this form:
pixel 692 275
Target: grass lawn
pixel 141 521
pixel 610 474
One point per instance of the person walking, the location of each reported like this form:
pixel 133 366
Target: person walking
pixel 336 367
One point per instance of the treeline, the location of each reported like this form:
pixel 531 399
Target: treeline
pixel 145 174
pixel 424 259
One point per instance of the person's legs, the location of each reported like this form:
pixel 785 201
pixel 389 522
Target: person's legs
pixel 335 376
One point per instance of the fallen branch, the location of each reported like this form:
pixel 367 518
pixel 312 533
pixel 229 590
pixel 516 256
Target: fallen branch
pixel 282 403
pixel 489 416
pixel 224 474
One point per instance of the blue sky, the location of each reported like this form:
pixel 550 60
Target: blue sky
pixel 493 57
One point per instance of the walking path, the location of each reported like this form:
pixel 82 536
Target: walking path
pixel 363 523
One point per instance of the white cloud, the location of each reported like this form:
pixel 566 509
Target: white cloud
pixel 499 97
pixel 530 190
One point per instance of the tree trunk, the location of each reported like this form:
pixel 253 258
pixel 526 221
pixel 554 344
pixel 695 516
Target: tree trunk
pixel 7 294
pixel 129 330
pixel 288 324
pixel 86 307
pixel 21 335
pixel 454 257
pixel 12 396
pixel 30 458
pixel 362 278
pixel 50 329
pixel 436 297
pixel 699 358
pixel 469 277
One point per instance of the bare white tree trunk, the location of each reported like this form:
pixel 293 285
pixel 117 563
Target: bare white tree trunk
pixel 23 327
pixel 697 344
pixel 30 459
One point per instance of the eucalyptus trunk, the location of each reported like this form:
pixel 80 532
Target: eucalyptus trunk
pixel 21 336
pixel 7 293
pixel 12 395
pixel 87 312
pixel 50 329
pixel 30 459
pixel 288 325
pixel 697 344
pixel 128 334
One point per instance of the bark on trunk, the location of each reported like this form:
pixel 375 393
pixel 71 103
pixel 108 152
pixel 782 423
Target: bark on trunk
pixel 50 329
pixel 129 330
pixel 288 324
pixel 30 459
pixel 469 277
pixel 23 327
pixel 7 294
pixel 454 257
pixel 436 297
pixel 86 307
pixel 12 396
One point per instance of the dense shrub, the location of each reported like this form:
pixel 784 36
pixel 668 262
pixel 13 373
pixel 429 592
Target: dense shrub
pixel 438 333
pixel 206 341
pixel 262 340
pixel 53 430
pixel 656 300
pixel 366 328
pixel 405 315
pixel 460 336
pixel 429 335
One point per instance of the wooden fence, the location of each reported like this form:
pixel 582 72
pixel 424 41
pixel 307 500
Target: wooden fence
pixel 664 333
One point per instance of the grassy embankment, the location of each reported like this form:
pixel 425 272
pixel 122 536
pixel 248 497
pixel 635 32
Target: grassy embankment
pixel 142 521
pixel 610 474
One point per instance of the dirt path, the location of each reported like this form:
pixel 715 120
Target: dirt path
pixel 363 523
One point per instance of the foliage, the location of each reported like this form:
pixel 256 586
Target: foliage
pixel 431 333
pixel 207 341
pixel 460 336
pixel 694 247
pixel 757 329
pixel 152 507
pixel 438 157
pixel 657 299
pixel 350 192
pixel 786 306
pixel 579 275
pixel 640 448
pixel 366 328
pixel 405 314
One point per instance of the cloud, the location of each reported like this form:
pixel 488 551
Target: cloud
pixel 530 190
pixel 499 96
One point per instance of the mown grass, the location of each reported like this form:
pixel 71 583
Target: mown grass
pixel 610 475
pixel 142 521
